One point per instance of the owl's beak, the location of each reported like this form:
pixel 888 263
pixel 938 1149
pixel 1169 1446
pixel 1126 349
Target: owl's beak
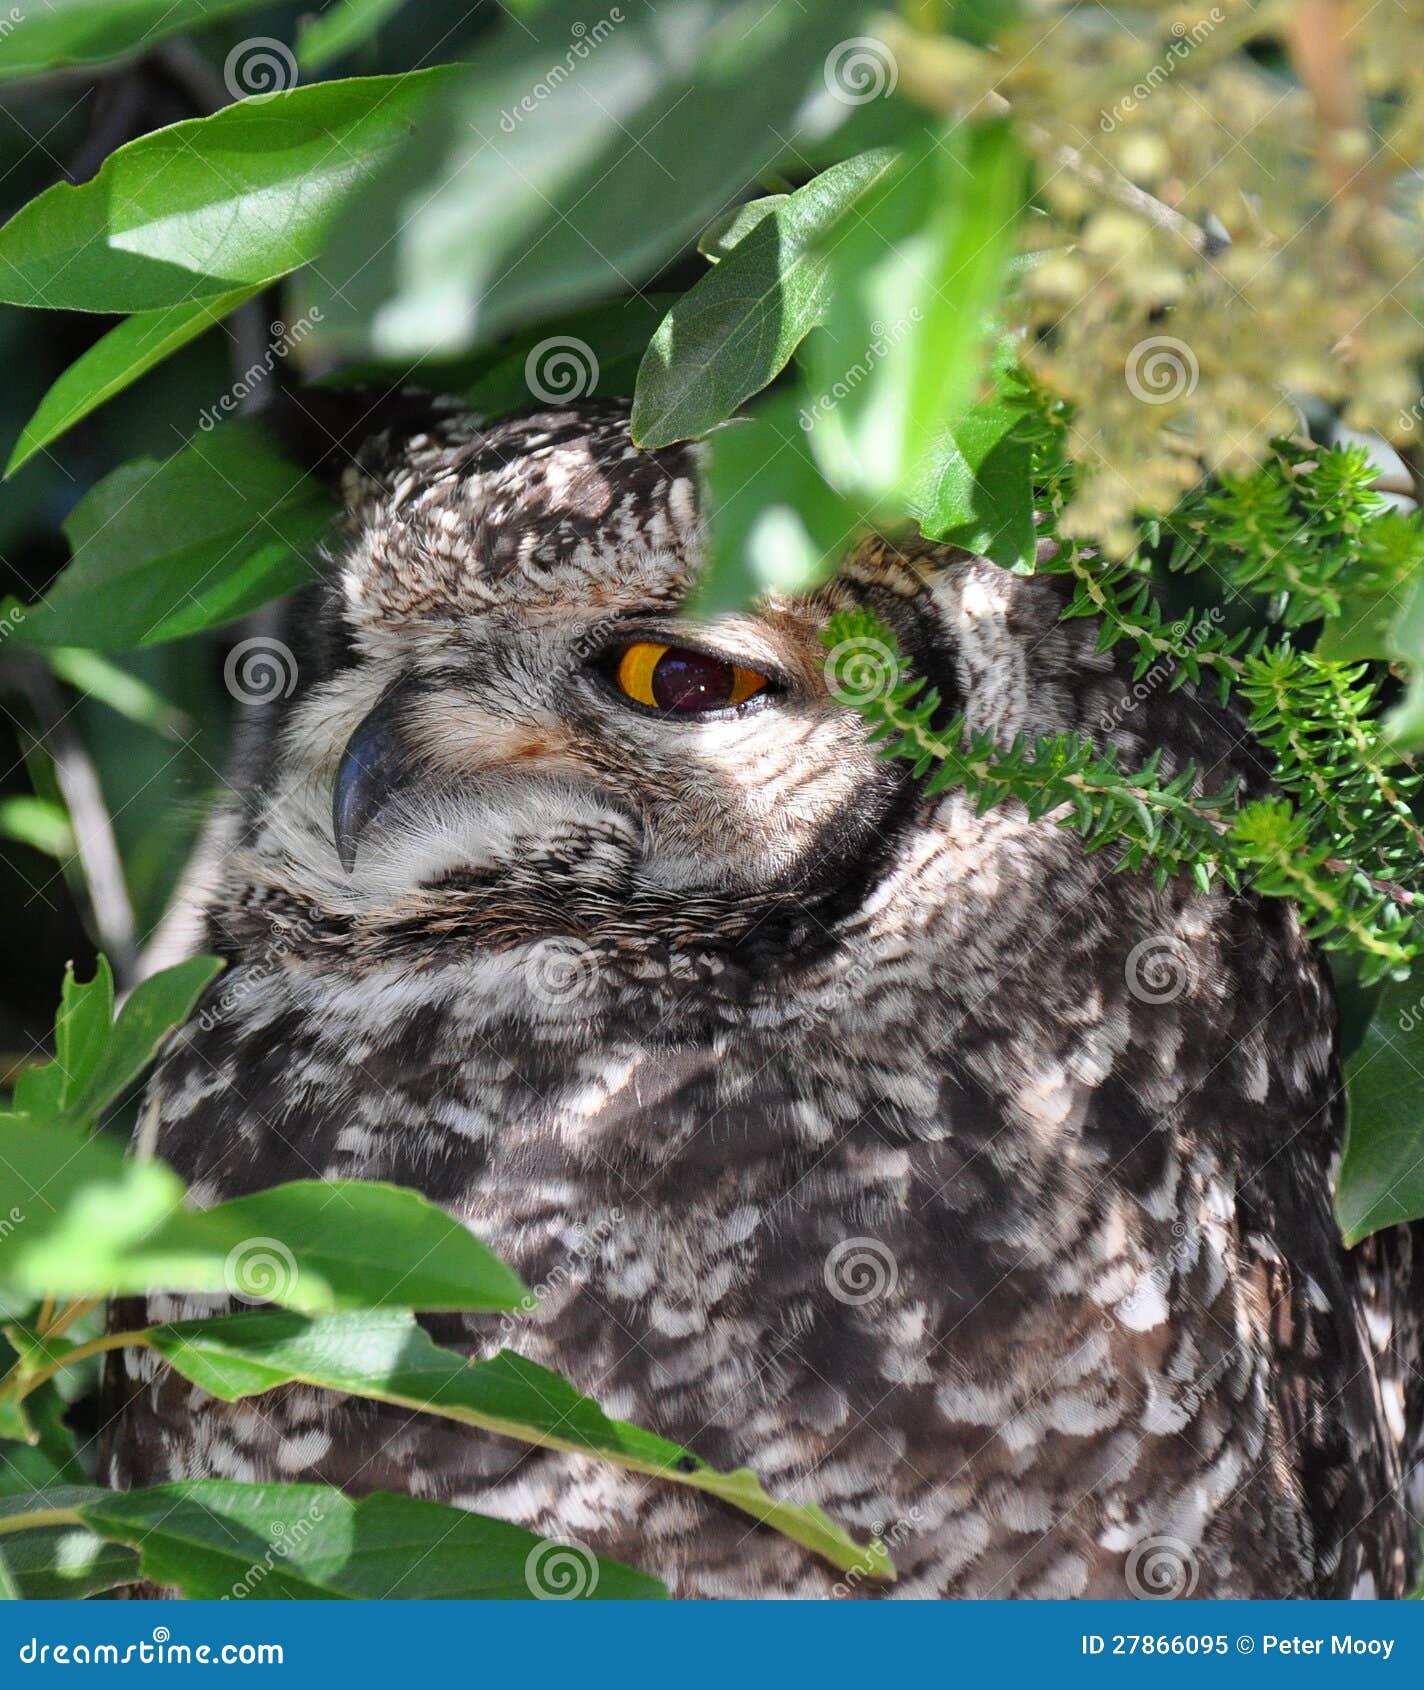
pixel 374 764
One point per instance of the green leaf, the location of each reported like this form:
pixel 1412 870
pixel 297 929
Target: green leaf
pixel 975 488
pixel 68 1560
pixel 149 1014
pixel 215 1538
pixel 212 205
pixel 40 823
pixel 54 35
pixel 342 26
pixel 569 160
pixel 167 549
pixel 1403 727
pixel 389 1358
pixel 725 230
pixel 92 1222
pixel 124 692
pixel 1382 1172
pixel 735 331
pixel 915 279
pixel 81 1033
pixel 114 363
pixel 775 524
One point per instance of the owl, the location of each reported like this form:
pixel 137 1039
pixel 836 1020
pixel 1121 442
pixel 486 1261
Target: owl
pixel 912 1156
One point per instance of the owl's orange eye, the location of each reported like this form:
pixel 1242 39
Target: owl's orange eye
pixel 672 677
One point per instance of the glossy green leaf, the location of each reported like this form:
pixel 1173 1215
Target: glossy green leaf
pixel 212 205
pixel 568 160
pixel 735 331
pixel 915 279
pixel 775 524
pixel 1381 1177
pixel 53 34
pixel 389 1358
pixel 70 1560
pixel 974 488
pixel 114 363
pixel 345 24
pixel 167 549
pixel 214 1538
pixel 730 227
pixel 92 1222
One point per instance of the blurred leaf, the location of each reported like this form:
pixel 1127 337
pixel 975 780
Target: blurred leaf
pixel 64 1561
pixel 342 26
pixel 212 205
pixel 57 33
pixel 165 549
pixel 1403 727
pixel 40 823
pixel 95 1223
pixel 96 677
pixel 735 331
pixel 975 488
pixel 214 1538
pixel 569 161
pixel 1381 1177
pixel 775 524
pixel 915 278
pixel 111 364
pixel 389 1358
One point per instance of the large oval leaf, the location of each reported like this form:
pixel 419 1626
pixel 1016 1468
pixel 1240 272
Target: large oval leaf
pixel 208 206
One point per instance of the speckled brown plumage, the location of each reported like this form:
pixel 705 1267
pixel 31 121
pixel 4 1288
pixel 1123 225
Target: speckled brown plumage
pixel 912 1157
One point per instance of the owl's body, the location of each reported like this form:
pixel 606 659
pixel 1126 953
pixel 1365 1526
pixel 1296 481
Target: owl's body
pixel 913 1158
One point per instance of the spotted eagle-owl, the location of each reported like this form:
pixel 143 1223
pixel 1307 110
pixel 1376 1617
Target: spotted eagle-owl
pixel 910 1156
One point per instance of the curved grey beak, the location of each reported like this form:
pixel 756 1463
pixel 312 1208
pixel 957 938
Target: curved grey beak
pixel 375 763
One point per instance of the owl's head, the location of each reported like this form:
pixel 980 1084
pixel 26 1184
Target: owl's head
pixel 507 726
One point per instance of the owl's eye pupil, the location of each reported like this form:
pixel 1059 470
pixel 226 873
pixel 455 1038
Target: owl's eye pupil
pixel 690 680
pixel 683 681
